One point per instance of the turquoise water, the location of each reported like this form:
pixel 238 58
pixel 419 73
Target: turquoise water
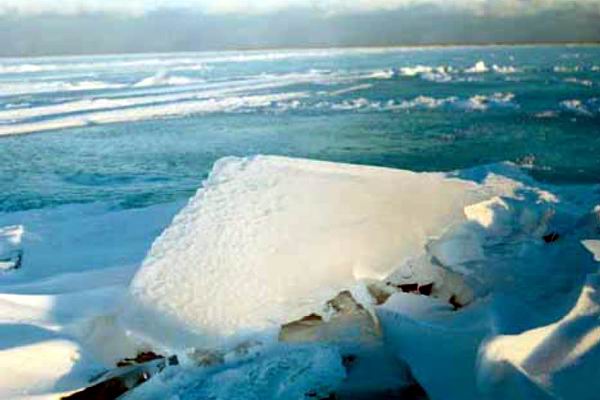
pixel 140 130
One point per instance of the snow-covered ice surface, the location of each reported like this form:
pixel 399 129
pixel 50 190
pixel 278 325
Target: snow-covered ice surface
pixel 269 240
pixel 513 313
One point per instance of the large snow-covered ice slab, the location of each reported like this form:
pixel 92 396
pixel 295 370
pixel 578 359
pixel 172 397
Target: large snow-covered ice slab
pixel 269 240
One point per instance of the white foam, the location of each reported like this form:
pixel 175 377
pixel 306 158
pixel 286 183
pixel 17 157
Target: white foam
pixel 20 88
pixel 351 89
pixel 215 90
pixel 162 78
pixel 212 105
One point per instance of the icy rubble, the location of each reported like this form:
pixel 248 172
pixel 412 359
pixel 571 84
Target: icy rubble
pixel 451 273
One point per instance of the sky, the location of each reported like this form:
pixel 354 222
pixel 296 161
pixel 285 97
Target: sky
pixel 43 27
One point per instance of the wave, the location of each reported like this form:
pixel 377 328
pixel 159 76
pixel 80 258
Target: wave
pixel 13 89
pixel 193 61
pixel 212 105
pixel 351 89
pixel 207 90
pixel 138 64
pixel 162 78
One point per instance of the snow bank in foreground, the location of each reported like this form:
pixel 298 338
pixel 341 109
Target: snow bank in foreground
pixel 554 360
pixel 269 240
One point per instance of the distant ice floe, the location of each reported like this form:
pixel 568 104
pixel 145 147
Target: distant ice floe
pixel 588 108
pixel 443 74
pixel 483 102
pixel 507 69
pixel 547 114
pixel 474 103
pixel 478 68
pixel 582 82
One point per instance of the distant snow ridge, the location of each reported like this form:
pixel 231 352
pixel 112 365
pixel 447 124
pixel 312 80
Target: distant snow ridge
pixel 468 274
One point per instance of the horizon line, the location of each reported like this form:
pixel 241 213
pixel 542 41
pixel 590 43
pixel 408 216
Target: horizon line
pixel 324 47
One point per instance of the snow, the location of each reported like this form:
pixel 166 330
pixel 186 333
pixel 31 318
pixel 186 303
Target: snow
pixel 282 372
pixel 269 240
pixel 554 359
pixel 31 370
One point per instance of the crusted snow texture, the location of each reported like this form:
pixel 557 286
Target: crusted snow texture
pixel 281 372
pixel 269 240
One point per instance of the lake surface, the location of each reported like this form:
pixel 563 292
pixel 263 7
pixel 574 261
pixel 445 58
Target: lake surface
pixel 137 130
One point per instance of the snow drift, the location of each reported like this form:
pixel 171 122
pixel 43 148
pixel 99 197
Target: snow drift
pixel 270 240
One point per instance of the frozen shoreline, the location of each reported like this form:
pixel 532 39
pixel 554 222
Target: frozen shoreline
pixel 68 305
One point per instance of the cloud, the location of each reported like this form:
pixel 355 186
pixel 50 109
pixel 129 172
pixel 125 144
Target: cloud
pixel 323 7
